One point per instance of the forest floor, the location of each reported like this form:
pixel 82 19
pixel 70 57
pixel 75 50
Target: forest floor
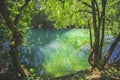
pixel 110 73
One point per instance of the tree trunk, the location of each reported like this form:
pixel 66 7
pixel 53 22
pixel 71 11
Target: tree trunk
pixel 98 19
pixel 96 54
pixel 90 57
pixel 17 40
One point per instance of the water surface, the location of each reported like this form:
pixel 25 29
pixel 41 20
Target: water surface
pixel 57 52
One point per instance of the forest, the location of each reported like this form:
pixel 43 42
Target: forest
pixel 59 39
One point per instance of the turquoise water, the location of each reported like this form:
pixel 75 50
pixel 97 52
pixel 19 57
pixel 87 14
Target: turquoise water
pixel 53 53
pixel 56 53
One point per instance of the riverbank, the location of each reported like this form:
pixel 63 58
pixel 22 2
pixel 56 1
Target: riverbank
pixel 108 74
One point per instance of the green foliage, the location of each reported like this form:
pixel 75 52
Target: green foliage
pixel 66 13
pixel 76 13
pixel 113 17
pixel 5 33
pixel 24 20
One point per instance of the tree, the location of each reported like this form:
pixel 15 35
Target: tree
pixel 66 13
pixel 98 17
pixel 12 23
pixel 100 27
pixel 78 13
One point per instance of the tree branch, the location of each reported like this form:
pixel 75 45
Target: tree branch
pixel 17 39
pixel 84 11
pixel 88 5
pixel 103 23
pixel 90 34
pixel 110 51
pixel 97 9
pixel 20 11
pixel 85 3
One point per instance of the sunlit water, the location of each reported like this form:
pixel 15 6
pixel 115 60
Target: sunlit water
pixel 54 53
pixel 57 52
